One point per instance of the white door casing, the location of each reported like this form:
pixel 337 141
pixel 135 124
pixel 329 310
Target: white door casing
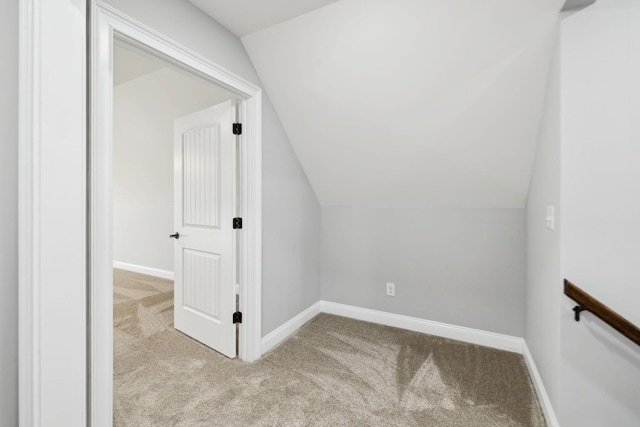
pixel 204 208
pixel 108 23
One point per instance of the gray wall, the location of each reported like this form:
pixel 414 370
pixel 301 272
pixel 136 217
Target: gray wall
pixel 291 213
pixel 9 213
pixel 586 165
pixel 544 278
pixel 600 187
pixel 291 231
pixel 460 266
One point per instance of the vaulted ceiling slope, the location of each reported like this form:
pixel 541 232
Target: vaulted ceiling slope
pixel 411 102
pixel 129 65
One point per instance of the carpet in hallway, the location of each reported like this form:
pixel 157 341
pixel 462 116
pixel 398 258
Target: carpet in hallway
pixel 333 372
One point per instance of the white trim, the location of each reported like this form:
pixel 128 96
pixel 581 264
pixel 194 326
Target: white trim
pixel 52 229
pixel 28 325
pixel 250 239
pixel 101 249
pixel 289 328
pixel 543 397
pixel 150 271
pixel 460 333
pixel 108 22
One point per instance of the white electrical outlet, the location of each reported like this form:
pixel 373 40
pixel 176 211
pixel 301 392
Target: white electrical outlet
pixel 391 289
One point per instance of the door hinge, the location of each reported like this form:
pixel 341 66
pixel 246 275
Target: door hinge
pixel 237 128
pixel 237 223
pixel 237 317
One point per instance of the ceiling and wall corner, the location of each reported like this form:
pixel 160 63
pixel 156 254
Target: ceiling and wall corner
pixel 576 4
pixel 129 65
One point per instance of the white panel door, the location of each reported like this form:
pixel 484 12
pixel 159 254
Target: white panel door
pixel 204 206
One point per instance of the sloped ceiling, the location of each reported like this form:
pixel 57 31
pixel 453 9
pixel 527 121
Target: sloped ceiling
pixel 412 102
pixel 129 65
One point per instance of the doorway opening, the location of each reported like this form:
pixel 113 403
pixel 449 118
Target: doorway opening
pixel 174 176
pixel 199 177
pixel 174 248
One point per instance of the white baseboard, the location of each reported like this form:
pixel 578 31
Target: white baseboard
pixel 286 330
pixel 545 402
pixel 460 333
pixel 163 274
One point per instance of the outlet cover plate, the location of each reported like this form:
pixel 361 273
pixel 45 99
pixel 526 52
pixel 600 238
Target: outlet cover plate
pixel 391 289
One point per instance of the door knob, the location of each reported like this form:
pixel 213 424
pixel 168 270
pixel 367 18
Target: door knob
pixel 175 236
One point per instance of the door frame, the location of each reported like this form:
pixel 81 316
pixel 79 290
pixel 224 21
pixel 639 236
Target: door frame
pixel 108 24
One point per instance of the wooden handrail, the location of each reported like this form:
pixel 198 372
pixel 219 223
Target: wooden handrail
pixel 589 303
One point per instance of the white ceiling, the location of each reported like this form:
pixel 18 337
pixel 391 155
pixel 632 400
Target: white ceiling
pixel 244 17
pixel 129 65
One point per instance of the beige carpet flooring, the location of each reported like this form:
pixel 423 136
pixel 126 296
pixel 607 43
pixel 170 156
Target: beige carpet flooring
pixel 333 372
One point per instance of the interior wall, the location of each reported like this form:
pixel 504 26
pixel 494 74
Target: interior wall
pixel 9 213
pixel 601 209
pixel 544 277
pixel 464 267
pixel 601 127
pixel 291 212
pixel 143 113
